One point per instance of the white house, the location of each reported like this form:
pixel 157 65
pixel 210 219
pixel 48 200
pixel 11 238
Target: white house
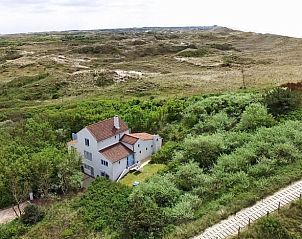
pixel 109 149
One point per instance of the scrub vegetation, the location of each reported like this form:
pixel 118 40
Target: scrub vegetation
pixel 222 151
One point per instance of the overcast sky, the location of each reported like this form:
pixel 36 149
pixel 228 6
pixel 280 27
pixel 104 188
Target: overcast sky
pixel 266 16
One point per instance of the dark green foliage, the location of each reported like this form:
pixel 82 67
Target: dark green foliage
pixel 144 218
pixel 271 228
pixel 223 153
pixel 204 150
pixel 255 116
pixel 222 47
pixel 9 54
pixel 32 214
pixel 231 60
pixel 13 230
pixel 189 176
pixel 98 49
pixel 166 153
pixel 201 52
pixel 215 123
pixel 281 101
pixel 104 79
pixel 105 205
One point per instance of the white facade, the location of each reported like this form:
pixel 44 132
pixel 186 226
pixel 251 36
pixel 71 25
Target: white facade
pixel 96 163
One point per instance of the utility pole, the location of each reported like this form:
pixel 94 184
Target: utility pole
pixel 243 79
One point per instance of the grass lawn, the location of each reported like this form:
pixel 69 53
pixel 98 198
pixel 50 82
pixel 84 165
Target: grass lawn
pixel 147 172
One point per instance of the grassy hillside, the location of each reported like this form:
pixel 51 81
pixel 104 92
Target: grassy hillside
pixel 48 66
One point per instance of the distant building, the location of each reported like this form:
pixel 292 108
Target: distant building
pixel 109 149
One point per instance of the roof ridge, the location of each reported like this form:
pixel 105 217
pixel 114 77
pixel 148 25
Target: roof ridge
pixel 99 122
pixel 112 145
pixel 132 136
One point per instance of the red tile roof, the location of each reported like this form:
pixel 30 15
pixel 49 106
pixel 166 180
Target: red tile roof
pixel 142 136
pixel 129 139
pixel 116 152
pixel 105 129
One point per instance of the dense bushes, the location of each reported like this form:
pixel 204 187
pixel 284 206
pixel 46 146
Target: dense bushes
pixel 104 205
pixel 223 153
pixel 281 101
pixel 32 214
pixel 12 230
pixel 29 163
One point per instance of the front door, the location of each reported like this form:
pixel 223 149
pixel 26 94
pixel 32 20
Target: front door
pixel 130 160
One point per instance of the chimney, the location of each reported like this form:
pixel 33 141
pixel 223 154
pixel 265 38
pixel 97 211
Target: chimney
pixel 116 122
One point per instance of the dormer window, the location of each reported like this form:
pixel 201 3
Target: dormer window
pixel 87 142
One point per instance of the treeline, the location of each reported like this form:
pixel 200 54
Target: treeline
pixel 33 159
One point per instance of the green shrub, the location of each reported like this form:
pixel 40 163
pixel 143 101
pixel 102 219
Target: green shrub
pixel 271 228
pixel 104 205
pixel 166 153
pixel 255 116
pixel 201 52
pixel 12 230
pixel 215 123
pixel 281 101
pixel 222 47
pixel 104 79
pixel 203 149
pixel 32 214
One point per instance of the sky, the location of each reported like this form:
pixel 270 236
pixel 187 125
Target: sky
pixel 263 16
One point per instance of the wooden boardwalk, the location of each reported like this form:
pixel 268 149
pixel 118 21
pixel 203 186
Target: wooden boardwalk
pixel 243 218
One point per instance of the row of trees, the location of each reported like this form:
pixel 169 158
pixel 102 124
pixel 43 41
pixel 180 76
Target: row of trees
pixel 32 160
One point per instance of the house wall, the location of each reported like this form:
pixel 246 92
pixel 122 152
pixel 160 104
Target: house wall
pixel 129 146
pixel 118 168
pixel 92 148
pixel 143 149
pixel 157 142
pixel 102 168
pixel 110 141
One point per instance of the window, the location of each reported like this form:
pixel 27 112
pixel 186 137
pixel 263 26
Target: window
pixel 119 162
pixel 115 136
pixel 140 151
pixel 103 162
pixel 87 166
pixel 86 142
pixel 103 174
pixel 88 155
pixel 156 139
pixel 152 146
pixel 138 145
pixel 146 149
